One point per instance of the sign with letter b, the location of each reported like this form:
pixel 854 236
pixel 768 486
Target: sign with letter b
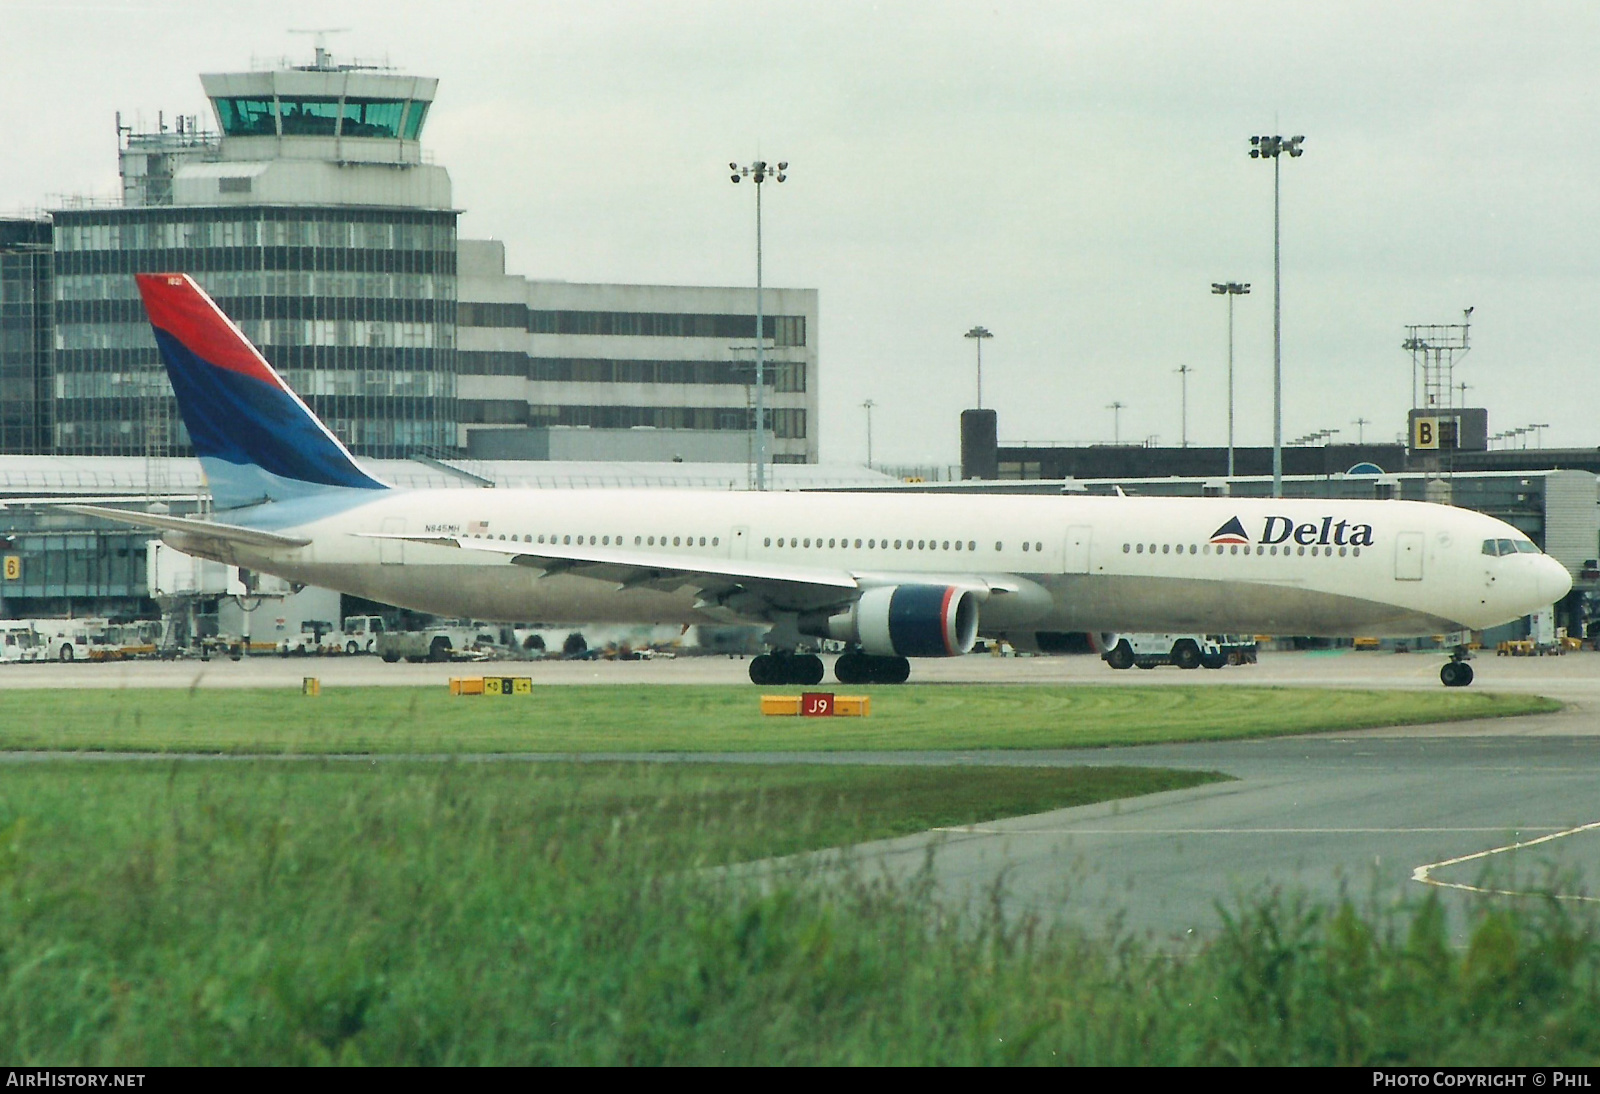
pixel 1424 433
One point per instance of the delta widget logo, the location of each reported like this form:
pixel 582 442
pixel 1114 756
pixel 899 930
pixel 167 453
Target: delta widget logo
pixel 1324 531
pixel 1232 532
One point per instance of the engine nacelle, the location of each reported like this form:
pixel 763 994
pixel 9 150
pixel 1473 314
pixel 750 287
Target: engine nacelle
pixel 907 621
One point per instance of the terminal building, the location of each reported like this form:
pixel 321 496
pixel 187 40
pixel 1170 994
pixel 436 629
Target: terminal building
pixel 554 370
pixel 314 218
pixel 310 211
pixel 26 334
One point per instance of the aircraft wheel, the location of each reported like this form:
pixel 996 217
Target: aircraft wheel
pixel 806 669
pixel 1186 655
pixel 1120 656
pixel 890 670
pixel 1456 674
pixel 762 671
pixel 852 668
pixel 439 649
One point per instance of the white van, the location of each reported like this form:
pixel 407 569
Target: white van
pixel 66 639
pixel 18 642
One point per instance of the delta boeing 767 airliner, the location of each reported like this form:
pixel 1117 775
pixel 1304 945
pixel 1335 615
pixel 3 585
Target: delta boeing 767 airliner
pixel 891 576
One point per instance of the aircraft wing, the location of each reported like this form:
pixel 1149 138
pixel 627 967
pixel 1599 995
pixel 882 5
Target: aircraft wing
pixel 78 499
pixel 742 586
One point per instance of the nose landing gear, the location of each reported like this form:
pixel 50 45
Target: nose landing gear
pixel 1456 673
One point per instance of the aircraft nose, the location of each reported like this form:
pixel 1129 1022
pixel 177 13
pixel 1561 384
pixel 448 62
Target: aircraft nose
pixel 1554 581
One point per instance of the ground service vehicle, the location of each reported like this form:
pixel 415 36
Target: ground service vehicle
pixel 445 642
pixel 66 639
pixel 120 641
pixel 1146 651
pixel 360 634
pixel 18 641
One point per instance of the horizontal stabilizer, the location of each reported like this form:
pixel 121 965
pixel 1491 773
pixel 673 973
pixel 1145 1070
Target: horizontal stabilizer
pixel 232 533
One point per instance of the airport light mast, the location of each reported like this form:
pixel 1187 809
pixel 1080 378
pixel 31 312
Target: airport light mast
pixel 978 334
pixel 758 172
pixel 867 406
pixel 1230 289
pixel 1274 148
pixel 1183 376
pixel 1116 420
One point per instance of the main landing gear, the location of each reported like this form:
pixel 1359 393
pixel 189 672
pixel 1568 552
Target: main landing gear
pixel 1456 673
pixel 806 669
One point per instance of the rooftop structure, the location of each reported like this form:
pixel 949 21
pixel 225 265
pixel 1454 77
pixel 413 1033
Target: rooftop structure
pixel 313 221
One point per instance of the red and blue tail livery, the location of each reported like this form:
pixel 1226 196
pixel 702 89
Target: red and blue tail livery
pixel 255 438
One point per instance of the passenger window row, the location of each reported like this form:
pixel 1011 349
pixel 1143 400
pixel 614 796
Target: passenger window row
pixel 1233 549
pixel 884 544
pixel 556 539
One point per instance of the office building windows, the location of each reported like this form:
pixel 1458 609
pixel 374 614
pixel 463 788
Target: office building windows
pixel 357 303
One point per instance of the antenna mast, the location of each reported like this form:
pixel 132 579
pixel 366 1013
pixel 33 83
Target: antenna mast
pixel 1435 349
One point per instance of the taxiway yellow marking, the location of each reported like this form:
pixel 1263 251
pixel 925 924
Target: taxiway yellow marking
pixel 1424 874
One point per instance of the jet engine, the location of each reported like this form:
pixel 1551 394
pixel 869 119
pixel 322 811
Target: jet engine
pixel 906 621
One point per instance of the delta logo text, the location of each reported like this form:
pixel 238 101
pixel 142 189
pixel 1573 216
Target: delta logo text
pixel 1327 531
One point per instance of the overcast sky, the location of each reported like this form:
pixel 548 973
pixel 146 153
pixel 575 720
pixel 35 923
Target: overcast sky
pixel 1073 176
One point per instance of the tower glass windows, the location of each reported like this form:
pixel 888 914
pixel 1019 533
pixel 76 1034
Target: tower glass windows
pixel 321 116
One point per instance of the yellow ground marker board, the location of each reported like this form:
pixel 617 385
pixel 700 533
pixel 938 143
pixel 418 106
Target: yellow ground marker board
pixel 491 685
pixel 817 704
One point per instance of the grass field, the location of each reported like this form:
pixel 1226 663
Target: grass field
pixel 701 719
pixel 500 913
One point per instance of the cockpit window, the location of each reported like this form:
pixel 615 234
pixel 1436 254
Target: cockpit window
pixel 1509 547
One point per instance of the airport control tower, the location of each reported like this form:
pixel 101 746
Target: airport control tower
pixel 310 214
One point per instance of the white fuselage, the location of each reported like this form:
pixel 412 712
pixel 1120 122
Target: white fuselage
pixel 1300 566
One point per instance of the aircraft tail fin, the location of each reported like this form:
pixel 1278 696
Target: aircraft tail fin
pixel 256 439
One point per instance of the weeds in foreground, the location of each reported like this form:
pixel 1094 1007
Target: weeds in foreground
pixel 480 915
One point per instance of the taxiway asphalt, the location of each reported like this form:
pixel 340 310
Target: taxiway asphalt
pixel 1362 811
